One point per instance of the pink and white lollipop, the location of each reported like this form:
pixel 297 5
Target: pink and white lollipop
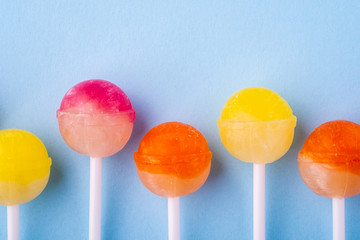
pixel 96 119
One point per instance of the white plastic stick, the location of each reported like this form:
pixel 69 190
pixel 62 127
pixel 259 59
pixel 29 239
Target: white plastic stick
pixel 338 218
pixel 259 202
pixel 174 218
pixel 13 222
pixel 95 199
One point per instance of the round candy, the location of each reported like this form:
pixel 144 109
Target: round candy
pixel 329 162
pixel 173 159
pixel 257 125
pixel 24 166
pixel 96 118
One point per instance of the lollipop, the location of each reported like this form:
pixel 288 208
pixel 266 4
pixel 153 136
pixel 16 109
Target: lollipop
pixel 329 165
pixel 257 125
pixel 25 171
pixel 96 119
pixel 173 160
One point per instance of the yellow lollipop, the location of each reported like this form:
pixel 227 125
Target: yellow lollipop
pixel 257 125
pixel 24 172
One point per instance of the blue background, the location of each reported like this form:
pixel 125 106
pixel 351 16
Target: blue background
pixel 179 60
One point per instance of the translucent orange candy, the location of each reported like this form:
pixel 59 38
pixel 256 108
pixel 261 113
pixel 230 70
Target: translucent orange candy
pixel 329 162
pixel 173 159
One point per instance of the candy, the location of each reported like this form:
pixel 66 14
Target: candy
pixel 173 159
pixel 257 125
pixel 96 118
pixel 329 162
pixel 24 167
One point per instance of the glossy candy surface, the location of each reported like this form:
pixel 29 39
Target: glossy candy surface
pixel 257 125
pixel 329 162
pixel 173 159
pixel 24 166
pixel 96 118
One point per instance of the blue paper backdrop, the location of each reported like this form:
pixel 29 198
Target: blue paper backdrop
pixel 179 60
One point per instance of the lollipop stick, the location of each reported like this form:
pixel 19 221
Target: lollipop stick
pixel 259 202
pixel 95 199
pixel 13 222
pixel 338 218
pixel 174 218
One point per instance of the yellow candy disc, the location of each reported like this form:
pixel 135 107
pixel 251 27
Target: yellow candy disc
pixel 24 166
pixel 257 125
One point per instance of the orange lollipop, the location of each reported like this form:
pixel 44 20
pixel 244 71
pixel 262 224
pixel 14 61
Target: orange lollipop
pixel 329 164
pixel 329 161
pixel 173 160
